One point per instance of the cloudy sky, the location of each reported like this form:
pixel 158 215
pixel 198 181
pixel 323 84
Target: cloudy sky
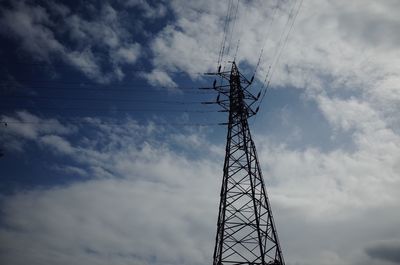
pixel 108 157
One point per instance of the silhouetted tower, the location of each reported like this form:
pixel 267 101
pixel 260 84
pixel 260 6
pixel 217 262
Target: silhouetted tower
pixel 246 233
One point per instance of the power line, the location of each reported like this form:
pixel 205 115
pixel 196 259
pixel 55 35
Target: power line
pixel 269 75
pixel 226 28
pixel 144 89
pixel 83 121
pixel 133 91
pixel 288 34
pixel 280 42
pixel 46 83
pixel 111 109
pixel 266 37
pixel 281 45
pixel 52 65
pixel 232 29
pixel 102 100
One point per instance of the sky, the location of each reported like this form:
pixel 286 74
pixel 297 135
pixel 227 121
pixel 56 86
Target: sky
pixel 109 157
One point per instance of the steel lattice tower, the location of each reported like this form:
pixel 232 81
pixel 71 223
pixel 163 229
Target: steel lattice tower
pixel 246 233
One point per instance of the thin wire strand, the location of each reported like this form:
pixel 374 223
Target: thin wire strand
pixel 103 99
pixel 266 37
pixel 237 49
pixel 232 29
pixel 222 46
pixel 52 65
pixel 282 40
pixel 83 121
pixel 46 83
pixel 287 36
pixel 282 48
pixel 269 76
pixel 133 89
pixel 111 109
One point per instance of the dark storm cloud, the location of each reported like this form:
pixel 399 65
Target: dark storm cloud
pixel 385 250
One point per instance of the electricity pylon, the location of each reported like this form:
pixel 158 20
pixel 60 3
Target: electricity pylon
pixel 246 232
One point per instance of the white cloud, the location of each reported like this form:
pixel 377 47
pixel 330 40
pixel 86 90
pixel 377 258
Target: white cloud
pixel 187 46
pixel 71 170
pixel 128 54
pixel 108 221
pixel 328 204
pixel 143 203
pixel 159 78
pixel 332 185
pixel 53 31
pixel 30 25
pixel 141 197
pixel 27 125
pixel 350 114
pixel 335 49
pixel 337 55
pixel 57 143
pixel 86 62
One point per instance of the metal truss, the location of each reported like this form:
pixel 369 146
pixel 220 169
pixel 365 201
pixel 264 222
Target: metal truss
pixel 246 232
